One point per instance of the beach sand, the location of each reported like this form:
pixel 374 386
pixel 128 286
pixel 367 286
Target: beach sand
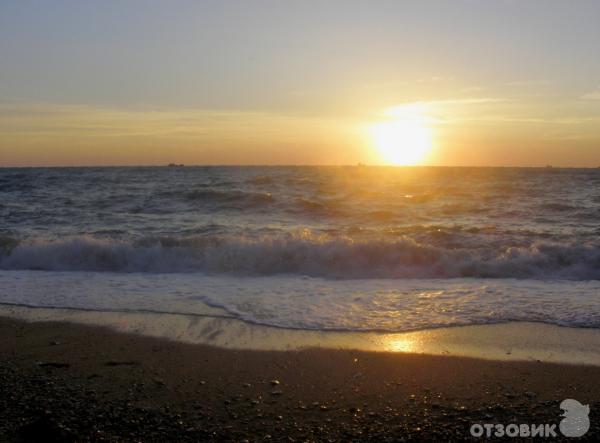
pixel 62 381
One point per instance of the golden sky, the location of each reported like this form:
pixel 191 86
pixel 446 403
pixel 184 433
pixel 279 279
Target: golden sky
pixel 262 82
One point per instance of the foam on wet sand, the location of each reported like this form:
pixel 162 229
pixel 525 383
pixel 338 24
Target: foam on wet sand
pixel 505 341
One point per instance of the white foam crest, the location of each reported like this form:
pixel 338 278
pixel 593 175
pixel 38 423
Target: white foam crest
pixel 305 253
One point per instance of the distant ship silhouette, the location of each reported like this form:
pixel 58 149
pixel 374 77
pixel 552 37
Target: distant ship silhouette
pixel 175 165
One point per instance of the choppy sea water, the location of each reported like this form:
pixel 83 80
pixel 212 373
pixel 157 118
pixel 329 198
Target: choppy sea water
pixel 351 248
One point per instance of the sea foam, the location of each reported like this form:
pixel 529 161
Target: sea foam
pixel 305 253
pixel 313 303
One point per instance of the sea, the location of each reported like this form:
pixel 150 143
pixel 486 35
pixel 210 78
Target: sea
pixel 355 248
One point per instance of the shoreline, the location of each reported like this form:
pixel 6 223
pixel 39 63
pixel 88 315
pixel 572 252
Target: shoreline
pixel 514 341
pixel 126 386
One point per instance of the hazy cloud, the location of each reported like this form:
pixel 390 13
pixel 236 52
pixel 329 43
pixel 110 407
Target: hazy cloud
pixel 528 83
pixel 594 95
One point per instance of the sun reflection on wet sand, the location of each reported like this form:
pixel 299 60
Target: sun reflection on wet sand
pixel 404 343
pixel 510 341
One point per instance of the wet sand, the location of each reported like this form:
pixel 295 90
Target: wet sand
pixel 69 382
pixel 528 341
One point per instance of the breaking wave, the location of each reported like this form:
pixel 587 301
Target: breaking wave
pixel 304 254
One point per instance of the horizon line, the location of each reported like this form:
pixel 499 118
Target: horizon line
pixel 232 165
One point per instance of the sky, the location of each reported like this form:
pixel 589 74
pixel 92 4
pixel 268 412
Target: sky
pixel 462 82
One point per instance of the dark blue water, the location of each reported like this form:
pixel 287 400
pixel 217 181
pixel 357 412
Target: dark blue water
pixel 355 248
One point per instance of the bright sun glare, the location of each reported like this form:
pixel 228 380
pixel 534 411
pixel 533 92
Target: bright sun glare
pixel 406 138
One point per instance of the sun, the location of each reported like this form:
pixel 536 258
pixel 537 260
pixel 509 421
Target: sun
pixel 405 139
